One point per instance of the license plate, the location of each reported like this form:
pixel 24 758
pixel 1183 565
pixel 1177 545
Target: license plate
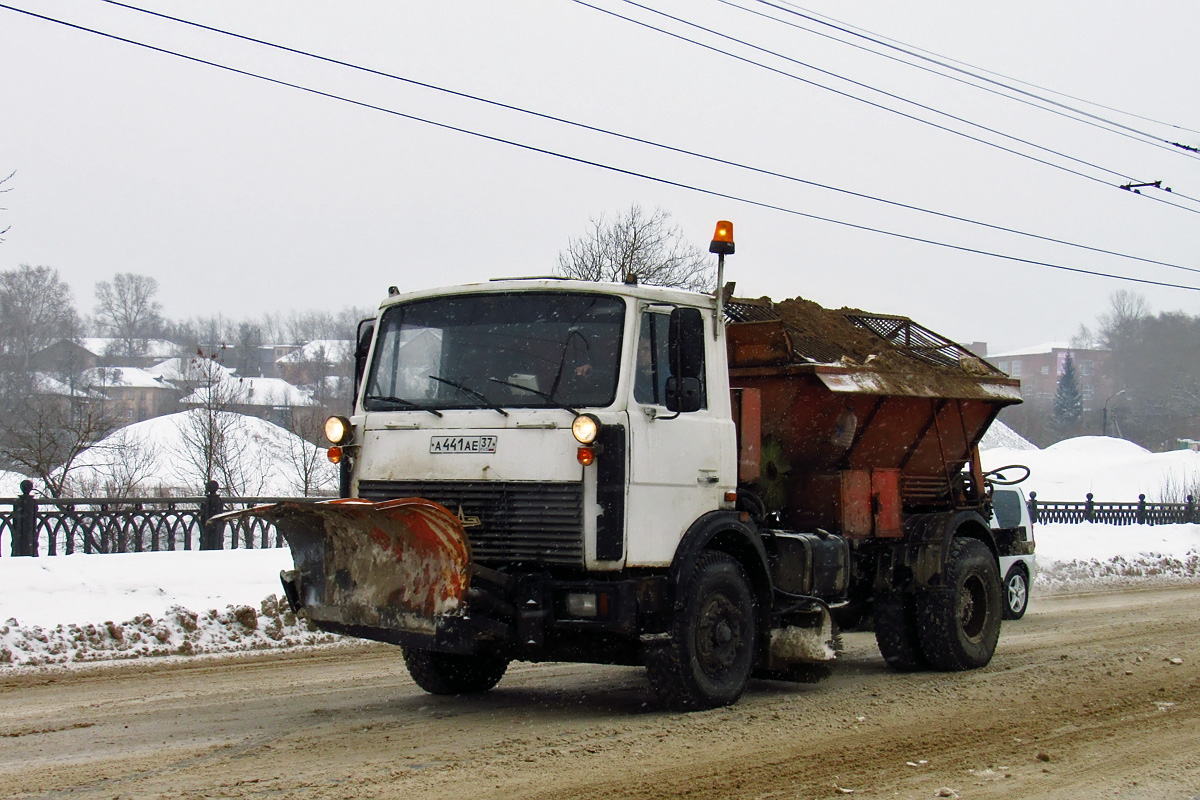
pixel 462 444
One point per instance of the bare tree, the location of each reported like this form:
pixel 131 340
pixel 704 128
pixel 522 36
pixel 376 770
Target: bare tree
pixel 3 181
pixel 43 430
pixel 126 308
pixel 116 467
pixel 210 445
pixel 313 471
pixel 1128 310
pixel 35 311
pixel 637 244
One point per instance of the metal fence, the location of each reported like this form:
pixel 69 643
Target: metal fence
pixel 62 526
pixel 1091 510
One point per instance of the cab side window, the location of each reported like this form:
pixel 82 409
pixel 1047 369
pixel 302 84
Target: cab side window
pixel 653 366
pixel 653 360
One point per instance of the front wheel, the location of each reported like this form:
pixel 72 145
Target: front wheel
pixel 959 622
pixel 707 662
pixel 1016 593
pixel 450 673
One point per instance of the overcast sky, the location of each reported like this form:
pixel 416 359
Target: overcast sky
pixel 241 196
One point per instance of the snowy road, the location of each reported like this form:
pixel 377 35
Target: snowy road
pixel 1082 700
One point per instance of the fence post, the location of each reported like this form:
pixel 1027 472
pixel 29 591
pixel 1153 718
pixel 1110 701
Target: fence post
pixel 1089 509
pixel 1033 509
pixel 1189 511
pixel 1141 509
pixel 211 537
pixel 24 540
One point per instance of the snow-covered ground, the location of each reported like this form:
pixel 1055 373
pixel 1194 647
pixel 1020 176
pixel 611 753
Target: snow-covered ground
pixel 80 609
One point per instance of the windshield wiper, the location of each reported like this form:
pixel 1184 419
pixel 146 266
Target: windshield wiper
pixel 400 401
pixel 471 392
pixel 541 394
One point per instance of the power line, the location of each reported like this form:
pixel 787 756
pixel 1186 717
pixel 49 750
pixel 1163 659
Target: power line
pixel 599 165
pixel 873 104
pixel 640 140
pixel 883 40
pixel 1024 97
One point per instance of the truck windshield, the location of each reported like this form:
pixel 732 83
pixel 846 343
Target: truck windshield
pixel 527 350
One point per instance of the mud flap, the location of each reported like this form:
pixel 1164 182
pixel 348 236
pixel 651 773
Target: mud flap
pixel 396 566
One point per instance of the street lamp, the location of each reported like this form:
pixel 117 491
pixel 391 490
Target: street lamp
pixel 1110 397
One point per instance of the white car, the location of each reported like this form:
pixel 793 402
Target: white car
pixel 1013 531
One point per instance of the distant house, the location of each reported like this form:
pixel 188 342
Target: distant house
pixel 112 351
pixel 64 357
pixel 134 394
pixel 272 399
pixel 316 361
pixel 1039 367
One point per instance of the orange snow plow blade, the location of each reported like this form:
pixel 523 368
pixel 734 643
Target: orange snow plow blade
pixel 392 566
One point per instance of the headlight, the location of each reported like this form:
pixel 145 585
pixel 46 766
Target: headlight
pixel 338 430
pixel 586 428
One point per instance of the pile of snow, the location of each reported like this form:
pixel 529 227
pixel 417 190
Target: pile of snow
pixel 1073 556
pixel 1112 470
pixel 1000 435
pixel 79 609
pixel 161 454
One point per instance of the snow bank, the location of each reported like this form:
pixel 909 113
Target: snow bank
pixel 1113 470
pixel 75 609
pixel 1074 555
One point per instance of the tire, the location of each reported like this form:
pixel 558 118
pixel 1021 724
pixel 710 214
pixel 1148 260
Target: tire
pixel 449 673
pixel 896 632
pixel 959 623
pixel 1016 593
pixel 709 658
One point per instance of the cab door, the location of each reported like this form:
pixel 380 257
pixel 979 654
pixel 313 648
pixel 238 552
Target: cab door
pixel 677 460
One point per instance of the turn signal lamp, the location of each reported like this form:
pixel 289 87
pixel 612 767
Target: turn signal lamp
pixel 334 454
pixel 722 243
pixel 338 430
pixel 585 428
pixel 586 456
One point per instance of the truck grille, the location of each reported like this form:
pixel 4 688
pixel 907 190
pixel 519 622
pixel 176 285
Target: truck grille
pixel 519 522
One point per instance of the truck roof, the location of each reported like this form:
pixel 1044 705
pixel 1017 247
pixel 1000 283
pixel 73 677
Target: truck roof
pixel 653 294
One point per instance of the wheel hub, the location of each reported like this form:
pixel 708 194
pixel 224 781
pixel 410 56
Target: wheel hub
pixel 719 635
pixel 972 608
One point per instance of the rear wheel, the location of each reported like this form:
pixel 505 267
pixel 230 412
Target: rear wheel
pixel 959 623
pixel 708 660
pixel 450 673
pixel 1016 593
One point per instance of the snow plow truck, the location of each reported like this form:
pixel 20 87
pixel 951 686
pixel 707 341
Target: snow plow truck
pixel 560 470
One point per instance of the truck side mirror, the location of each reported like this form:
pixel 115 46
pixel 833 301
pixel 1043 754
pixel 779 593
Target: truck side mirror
pixel 683 394
pixel 362 346
pixel 686 346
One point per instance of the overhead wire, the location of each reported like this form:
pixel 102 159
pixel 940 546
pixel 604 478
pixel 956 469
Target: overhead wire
pixel 640 140
pixel 1129 179
pixel 1022 96
pixel 825 19
pixel 588 162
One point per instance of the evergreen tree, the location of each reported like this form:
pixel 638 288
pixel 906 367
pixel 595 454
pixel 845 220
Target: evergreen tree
pixel 1068 400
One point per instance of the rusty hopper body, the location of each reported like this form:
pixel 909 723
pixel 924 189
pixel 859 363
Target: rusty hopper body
pixel 860 419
